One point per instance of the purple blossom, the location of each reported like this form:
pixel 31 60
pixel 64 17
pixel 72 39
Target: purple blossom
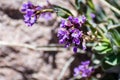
pixel 29 20
pixel 29 13
pixel 84 70
pixel 83 19
pixel 92 15
pixel 46 15
pixel 75 48
pixel 76 34
pixel 62 25
pixel 26 6
pixel 70 32
pixel 63 35
pixel 32 13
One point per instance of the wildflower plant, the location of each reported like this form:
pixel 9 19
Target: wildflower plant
pixel 92 28
pixel 83 70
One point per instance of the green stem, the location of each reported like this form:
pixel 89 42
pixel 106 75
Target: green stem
pixel 100 31
pixel 113 26
pixel 67 13
pixel 110 6
pixel 44 10
pixel 50 10
pixel 102 34
pixel 47 10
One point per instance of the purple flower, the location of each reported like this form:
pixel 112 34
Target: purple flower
pixel 75 48
pixel 70 32
pixel 26 6
pixel 62 25
pixel 63 35
pixel 92 15
pixel 46 15
pixel 29 13
pixel 85 63
pixel 76 34
pixel 84 70
pixel 32 13
pixel 83 19
pixel 29 20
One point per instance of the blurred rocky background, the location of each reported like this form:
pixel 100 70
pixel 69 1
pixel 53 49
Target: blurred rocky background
pixel 21 63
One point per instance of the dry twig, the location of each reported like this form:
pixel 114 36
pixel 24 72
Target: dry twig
pixel 50 47
pixel 65 68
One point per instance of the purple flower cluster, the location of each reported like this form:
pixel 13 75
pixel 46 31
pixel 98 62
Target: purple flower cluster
pixel 70 32
pixel 83 70
pixel 30 16
pixel 32 13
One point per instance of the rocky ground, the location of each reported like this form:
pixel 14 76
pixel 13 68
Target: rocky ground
pixel 21 63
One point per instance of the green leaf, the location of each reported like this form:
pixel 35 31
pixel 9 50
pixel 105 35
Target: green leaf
pixel 113 26
pixel 90 4
pixel 89 11
pixel 114 37
pixel 100 14
pixel 116 49
pixel 116 4
pixel 112 59
pixel 81 6
pixel 103 48
pixel 62 12
pixel 106 51
pixel 104 44
pixel 100 48
pixel 78 2
pixel 113 62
